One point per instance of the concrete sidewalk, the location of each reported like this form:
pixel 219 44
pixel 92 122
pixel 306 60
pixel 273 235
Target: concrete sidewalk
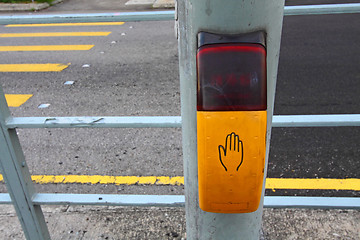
pixel 152 3
pixel 84 222
pixel 91 6
pixel 17 7
pixel 88 6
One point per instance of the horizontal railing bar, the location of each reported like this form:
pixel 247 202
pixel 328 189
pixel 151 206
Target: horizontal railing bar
pixel 312 202
pixel 88 17
pixel 110 200
pixel 179 201
pixel 332 120
pixel 322 9
pixel 162 15
pixel 5 198
pixel 95 122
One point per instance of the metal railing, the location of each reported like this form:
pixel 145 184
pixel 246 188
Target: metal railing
pixel 16 174
pixel 164 15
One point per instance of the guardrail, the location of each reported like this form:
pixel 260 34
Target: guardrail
pixel 329 120
pixel 163 15
pixel 16 174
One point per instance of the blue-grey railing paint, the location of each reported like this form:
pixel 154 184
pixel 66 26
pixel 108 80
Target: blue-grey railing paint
pixel 95 122
pixel 5 198
pixel 110 200
pixel 162 15
pixel 88 17
pixel 330 120
pixel 322 9
pixel 312 202
pixel 179 200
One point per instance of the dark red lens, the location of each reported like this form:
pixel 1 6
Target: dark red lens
pixel 231 77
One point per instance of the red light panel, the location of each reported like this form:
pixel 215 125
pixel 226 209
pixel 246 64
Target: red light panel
pixel 231 77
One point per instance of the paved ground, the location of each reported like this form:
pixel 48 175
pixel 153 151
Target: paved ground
pixel 80 222
pixel 88 6
pixel 153 223
pixel 109 5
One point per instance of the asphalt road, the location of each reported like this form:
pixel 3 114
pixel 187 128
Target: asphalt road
pixel 134 71
pixel 318 74
pixel 131 74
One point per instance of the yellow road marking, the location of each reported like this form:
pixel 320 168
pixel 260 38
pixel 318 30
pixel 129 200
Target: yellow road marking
pixel 317 183
pixel 65 24
pixel 46 48
pixel 271 183
pixel 55 34
pixel 98 179
pixel 46 67
pixel 16 100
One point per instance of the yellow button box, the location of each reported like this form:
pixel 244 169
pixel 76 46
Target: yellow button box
pixel 231 160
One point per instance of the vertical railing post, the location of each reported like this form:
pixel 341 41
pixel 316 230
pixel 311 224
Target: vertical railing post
pixel 221 17
pixel 18 180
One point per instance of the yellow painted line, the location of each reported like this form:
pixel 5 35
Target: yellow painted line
pixel 55 34
pixel 317 183
pixel 352 184
pixel 16 100
pixel 46 67
pixel 117 180
pixel 66 24
pixel 46 48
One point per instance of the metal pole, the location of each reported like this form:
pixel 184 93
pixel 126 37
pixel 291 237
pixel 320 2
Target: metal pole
pixel 17 178
pixel 232 17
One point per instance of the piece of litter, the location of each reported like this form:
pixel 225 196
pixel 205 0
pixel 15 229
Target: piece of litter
pixel 44 105
pixel 123 34
pixel 113 42
pixel 86 65
pixel 102 52
pixel 69 83
pixel 131 27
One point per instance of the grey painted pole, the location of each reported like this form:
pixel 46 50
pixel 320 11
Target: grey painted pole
pixel 230 17
pixel 18 180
